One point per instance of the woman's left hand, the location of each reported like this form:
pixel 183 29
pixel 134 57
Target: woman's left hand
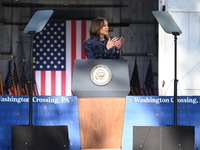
pixel 111 43
pixel 119 43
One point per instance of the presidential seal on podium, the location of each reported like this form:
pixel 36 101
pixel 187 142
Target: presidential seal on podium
pixel 101 75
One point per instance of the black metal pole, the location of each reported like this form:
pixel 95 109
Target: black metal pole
pixel 31 82
pixel 175 79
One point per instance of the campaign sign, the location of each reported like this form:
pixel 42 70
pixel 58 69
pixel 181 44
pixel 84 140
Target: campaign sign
pixel 159 111
pixel 47 111
pixel 63 110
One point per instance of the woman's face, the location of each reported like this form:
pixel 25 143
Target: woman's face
pixel 104 29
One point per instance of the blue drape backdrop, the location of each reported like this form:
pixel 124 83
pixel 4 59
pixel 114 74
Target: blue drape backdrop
pixel 63 110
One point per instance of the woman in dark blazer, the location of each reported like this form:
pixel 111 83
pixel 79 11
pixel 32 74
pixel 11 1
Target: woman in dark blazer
pixel 100 45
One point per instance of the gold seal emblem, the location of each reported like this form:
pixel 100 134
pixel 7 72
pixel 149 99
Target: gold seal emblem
pixel 100 75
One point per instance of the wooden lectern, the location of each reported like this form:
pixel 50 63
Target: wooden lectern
pixel 101 87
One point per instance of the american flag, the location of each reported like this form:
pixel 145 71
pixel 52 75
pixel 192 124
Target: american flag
pixel 54 51
pixel 23 80
pixel 9 82
pixel 135 81
pixel 149 83
pixel 34 86
pixel 16 80
pixel 1 85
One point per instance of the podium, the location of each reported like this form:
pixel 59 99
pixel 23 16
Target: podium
pixel 101 87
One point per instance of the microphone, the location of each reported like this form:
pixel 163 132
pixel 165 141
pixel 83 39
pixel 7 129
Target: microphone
pixel 96 52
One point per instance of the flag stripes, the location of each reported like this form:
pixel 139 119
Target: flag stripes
pixel 1 85
pixel 149 82
pixel 58 82
pixel 135 81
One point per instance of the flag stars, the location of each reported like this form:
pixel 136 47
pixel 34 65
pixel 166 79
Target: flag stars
pixel 50 47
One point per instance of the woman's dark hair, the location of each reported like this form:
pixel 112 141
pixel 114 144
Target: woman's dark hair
pixel 96 26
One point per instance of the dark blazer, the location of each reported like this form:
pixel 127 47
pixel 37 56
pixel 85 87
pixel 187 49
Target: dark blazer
pixel 94 50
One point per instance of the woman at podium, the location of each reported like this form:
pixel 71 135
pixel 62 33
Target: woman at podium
pixel 100 45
